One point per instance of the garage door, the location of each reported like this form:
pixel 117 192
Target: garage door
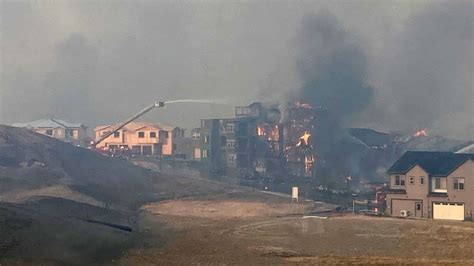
pixel 448 211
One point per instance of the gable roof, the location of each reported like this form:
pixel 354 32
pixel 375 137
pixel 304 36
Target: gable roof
pixel 48 123
pixel 434 163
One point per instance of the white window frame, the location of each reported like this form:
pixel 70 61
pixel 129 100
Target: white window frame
pixel 231 143
pixel 204 153
pixel 230 127
pixel 401 180
pixel 442 185
pixel 457 182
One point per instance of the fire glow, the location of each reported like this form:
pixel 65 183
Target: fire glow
pixel 421 133
pixel 304 139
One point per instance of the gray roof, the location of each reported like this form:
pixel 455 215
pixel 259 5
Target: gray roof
pixel 48 123
pixel 434 163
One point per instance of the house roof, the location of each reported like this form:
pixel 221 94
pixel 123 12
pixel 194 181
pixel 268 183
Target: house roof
pixel 48 123
pixel 370 137
pixel 133 126
pixel 434 163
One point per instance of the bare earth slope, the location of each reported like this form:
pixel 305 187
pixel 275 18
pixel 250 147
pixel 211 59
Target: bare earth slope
pixel 32 161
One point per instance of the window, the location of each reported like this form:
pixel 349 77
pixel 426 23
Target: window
pixel 230 128
pixel 49 132
pixel 422 180
pixel 117 134
pixel 195 135
pixel 206 139
pixel 204 153
pixel 399 180
pixel 418 206
pixel 242 111
pixel 458 183
pixel 439 184
pixel 152 134
pixel 231 143
pixel 411 180
pixel 141 134
pixel 231 157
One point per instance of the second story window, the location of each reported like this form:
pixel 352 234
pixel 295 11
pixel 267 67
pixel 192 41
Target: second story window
pixel 141 134
pixel 411 180
pixel 231 144
pixel 204 153
pixel 117 134
pixel 422 180
pixel 195 135
pixel 230 128
pixel 458 183
pixel 438 184
pixel 152 134
pixel 399 180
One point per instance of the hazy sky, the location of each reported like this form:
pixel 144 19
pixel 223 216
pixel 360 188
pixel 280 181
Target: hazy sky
pixel 98 62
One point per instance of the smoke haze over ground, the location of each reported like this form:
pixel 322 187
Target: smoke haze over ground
pixel 388 65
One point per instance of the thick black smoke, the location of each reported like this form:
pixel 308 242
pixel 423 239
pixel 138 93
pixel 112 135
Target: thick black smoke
pixel 333 67
pixel 334 72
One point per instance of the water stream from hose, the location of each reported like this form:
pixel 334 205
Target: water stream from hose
pixel 196 101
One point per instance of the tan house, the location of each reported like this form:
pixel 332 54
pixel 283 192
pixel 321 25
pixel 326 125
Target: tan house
pixel 75 133
pixel 142 138
pixel 437 185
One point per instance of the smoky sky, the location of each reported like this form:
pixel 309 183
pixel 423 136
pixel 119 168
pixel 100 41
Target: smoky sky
pixel 432 80
pixel 389 65
pixel 332 66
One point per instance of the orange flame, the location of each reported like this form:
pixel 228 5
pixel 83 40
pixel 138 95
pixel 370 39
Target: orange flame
pixel 421 133
pixel 305 137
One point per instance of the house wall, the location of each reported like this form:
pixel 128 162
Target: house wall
pixel 130 138
pixel 421 192
pixel 80 134
pixel 111 140
pixel 466 171
pixel 415 192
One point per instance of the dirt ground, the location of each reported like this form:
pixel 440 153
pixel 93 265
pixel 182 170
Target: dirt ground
pixel 275 231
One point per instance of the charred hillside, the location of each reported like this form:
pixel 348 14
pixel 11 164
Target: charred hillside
pixel 29 161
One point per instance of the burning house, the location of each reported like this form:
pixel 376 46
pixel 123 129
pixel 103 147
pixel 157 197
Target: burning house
pixel 298 128
pixel 239 146
pixel 257 143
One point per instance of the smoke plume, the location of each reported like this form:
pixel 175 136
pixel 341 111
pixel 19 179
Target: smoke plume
pixel 333 67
